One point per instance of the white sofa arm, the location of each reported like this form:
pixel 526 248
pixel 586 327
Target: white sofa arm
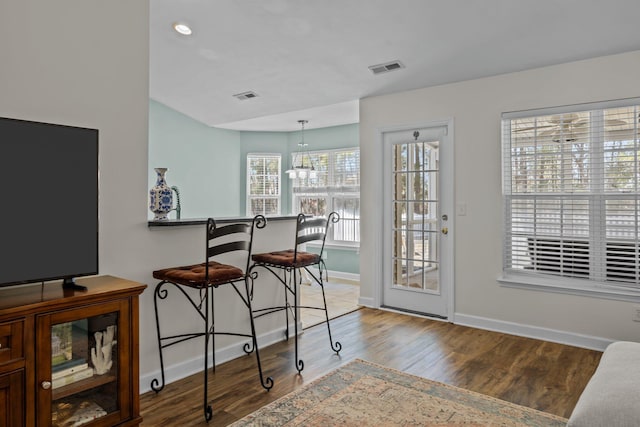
pixel 612 396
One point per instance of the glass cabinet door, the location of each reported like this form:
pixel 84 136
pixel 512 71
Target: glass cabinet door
pixel 79 366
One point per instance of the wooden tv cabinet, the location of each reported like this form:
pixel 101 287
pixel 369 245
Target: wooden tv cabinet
pixel 47 369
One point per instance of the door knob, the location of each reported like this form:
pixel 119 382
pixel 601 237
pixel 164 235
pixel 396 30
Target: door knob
pixel 445 230
pixel 46 385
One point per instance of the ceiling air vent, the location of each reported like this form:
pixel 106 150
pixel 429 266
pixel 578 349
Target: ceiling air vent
pixel 246 95
pixel 385 68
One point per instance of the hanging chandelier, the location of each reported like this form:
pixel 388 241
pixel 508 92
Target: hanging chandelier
pixel 301 165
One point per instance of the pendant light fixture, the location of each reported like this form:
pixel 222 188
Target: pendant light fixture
pixel 302 166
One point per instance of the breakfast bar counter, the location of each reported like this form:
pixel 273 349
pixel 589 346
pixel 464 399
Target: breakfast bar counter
pixel 183 243
pixel 202 221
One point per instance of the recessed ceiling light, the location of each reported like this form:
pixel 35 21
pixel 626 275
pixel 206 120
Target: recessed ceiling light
pixel 183 29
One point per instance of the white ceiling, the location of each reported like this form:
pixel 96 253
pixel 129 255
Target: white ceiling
pixel 308 59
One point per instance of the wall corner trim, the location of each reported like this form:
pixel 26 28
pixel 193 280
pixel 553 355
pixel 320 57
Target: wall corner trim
pixel 366 302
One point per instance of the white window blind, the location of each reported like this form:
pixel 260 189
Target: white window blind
pixel 571 186
pixel 263 184
pixel 334 186
pixel 335 170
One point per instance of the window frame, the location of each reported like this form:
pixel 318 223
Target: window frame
pixel 330 193
pixel 250 197
pixel 596 197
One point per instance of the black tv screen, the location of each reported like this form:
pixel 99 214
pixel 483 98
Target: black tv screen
pixel 49 196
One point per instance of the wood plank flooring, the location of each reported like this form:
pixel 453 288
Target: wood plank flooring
pixel 538 374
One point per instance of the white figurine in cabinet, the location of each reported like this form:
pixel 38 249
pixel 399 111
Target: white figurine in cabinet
pixel 101 355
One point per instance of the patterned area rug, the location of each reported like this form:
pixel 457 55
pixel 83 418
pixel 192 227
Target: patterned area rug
pixel 365 394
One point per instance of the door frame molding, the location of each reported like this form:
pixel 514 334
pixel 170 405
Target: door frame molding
pixel 447 176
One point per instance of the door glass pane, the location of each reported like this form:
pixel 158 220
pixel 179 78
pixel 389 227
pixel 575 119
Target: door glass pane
pixel 400 157
pixel 415 221
pixel 84 366
pixel 399 244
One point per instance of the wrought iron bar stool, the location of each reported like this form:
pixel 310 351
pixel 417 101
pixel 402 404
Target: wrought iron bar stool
pixel 206 277
pixel 286 266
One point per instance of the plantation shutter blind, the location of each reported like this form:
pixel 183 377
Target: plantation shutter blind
pixel 335 171
pixel 571 185
pixel 346 171
pixel 263 184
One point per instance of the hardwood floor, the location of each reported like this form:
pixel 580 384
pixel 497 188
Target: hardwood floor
pixel 538 374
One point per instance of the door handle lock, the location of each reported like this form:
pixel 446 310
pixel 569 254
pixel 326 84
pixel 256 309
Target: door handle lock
pixel 445 230
pixel 46 385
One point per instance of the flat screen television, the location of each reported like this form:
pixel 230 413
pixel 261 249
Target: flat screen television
pixel 49 202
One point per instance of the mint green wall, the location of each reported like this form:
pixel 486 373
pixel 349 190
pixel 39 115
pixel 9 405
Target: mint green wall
pixel 346 260
pixel 344 136
pixel 202 161
pixel 209 165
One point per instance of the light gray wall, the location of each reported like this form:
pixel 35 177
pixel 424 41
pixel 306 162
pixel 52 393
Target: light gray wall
pixel 70 62
pixel 64 62
pixel 476 107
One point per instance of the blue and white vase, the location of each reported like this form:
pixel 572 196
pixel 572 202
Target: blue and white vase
pixel 160 196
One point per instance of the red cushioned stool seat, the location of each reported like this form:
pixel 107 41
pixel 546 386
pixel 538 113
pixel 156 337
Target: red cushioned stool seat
pixel 286 258
pixel 195 275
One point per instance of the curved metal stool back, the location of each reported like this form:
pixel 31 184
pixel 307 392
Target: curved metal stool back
pixel 286 266
pixel 206 277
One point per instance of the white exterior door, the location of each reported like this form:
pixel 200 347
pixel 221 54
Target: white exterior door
pixel 418 220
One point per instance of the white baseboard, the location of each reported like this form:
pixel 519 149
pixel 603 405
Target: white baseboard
pixel 342 275
pixel 193 366
pixel 552 335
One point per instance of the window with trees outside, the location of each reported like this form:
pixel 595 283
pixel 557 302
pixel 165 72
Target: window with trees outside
pixel 571 195
pixel 334 186
pixel 263 184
